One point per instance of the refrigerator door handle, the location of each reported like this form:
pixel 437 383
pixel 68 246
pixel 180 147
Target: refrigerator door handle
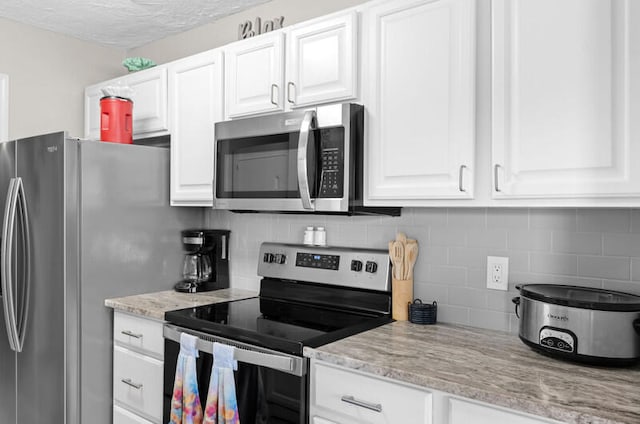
pixel 21 205
pixel 6 263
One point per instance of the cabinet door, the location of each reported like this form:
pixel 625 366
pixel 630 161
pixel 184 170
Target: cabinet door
pixel 420 97
pixel 254 75
pixel 122 416
pixel 563 97
pixel 92 97
pixel 195 105
pixel 149 100
pixel 322 61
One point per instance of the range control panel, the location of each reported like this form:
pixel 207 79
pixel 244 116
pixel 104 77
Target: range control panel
pixel 343 266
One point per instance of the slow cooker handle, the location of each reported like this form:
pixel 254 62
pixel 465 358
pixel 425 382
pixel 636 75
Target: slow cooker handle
pixel 516 300
pixel 636 325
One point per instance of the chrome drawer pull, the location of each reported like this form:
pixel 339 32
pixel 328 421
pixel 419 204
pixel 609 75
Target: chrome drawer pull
pixel 353 401
pixel 128 382
pixel 130 334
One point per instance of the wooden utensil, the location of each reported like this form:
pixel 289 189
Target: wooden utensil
pixel 397 258
pixel 410 257
pixel 401 237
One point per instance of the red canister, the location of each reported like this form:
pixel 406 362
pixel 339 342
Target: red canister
pixel 116 120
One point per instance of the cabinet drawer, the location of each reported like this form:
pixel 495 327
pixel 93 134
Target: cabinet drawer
pixel 368 399
pixel 463 412
pixel 138 333
pixel 137 382
pixel 122 416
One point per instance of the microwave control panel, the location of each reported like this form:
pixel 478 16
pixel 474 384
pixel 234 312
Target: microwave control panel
pixel 331 163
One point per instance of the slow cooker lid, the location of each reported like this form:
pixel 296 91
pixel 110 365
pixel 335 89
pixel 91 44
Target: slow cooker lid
pixel 582 297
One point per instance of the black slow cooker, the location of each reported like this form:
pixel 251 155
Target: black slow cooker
pixel 579 323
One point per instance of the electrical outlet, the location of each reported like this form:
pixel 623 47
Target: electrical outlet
pixel 497 273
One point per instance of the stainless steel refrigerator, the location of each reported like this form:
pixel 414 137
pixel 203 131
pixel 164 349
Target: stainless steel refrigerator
pixel 82 221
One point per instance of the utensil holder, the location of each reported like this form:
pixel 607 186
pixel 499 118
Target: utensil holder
pixel 401 297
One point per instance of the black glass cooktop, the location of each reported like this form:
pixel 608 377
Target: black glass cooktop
pixel 280 325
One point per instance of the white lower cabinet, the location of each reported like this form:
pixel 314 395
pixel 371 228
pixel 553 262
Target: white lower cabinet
pixel 138 369
pixel 345 396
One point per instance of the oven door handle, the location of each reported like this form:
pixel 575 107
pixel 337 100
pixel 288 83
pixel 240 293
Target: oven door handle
pixel 308 123
pixel 243 353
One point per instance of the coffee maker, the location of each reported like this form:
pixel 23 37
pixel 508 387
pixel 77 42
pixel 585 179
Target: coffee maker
pixel 206 261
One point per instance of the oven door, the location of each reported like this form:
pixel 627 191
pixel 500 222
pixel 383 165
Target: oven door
pixel 296 161
pixel 271 386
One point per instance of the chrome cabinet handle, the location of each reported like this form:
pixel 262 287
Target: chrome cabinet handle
pixel 131 334
pixel 362 404
pixel 308 123
pixel 289 85
pixel 130 383
pixel 496 187
pixel 276 88
pixel 460 175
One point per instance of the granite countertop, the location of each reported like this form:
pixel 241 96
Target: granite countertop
pixel 492 367
pixel 154 305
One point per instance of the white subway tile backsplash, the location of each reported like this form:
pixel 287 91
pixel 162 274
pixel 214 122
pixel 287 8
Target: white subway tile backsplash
pixel 621 244
pixel 552 263
pixel 585 247
pixel 604 220
pixel 610 267
pixel 577 243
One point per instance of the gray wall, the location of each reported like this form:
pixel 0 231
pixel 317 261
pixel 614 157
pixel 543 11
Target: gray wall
pixel 587 247
pixel 47 75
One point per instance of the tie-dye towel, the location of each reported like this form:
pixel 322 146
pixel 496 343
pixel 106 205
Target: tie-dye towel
pixel 185 402
pixel 222 405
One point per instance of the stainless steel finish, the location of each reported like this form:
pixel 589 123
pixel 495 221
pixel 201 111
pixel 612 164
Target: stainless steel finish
pixel 246 353
pixel 362 404
pixel 130 383
pixel 131 334
pixel 606 334
pixel 76 207
pixel 343 276
pixel 496 186
pixel 192 240
pixel 223 248
pixel 289 85
pixel 326 116
pixel 8 357
pixel 274 86
pixel 308 123
pixel 7 265
pixel 460 176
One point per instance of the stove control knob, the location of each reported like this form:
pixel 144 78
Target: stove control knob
pixel 280 258
pixel 268 258
pixel 356 266
pixel 371 267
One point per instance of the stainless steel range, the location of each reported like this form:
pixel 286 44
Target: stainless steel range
pixel 309 296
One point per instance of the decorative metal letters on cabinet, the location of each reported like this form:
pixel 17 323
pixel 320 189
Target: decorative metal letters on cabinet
pixel 249 29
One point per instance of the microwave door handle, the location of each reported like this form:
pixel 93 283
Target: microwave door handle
pixel 308 123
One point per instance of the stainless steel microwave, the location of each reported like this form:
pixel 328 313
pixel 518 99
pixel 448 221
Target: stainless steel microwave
pixel 303 161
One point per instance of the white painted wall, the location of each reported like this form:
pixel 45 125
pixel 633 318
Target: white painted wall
pixel 47 75
pixel 4 107
pixel 225 30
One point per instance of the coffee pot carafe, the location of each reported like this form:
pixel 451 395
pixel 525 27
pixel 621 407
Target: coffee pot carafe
pixel 206 261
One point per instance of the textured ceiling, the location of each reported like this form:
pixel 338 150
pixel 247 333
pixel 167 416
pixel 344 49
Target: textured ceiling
pixel 120 23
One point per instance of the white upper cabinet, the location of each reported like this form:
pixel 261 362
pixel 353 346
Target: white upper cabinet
pixel 254 75
pixel 149 103
pixel 320 67
pixel 195 105
pixel 322 61
pixel 565 93
pixel 419 92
